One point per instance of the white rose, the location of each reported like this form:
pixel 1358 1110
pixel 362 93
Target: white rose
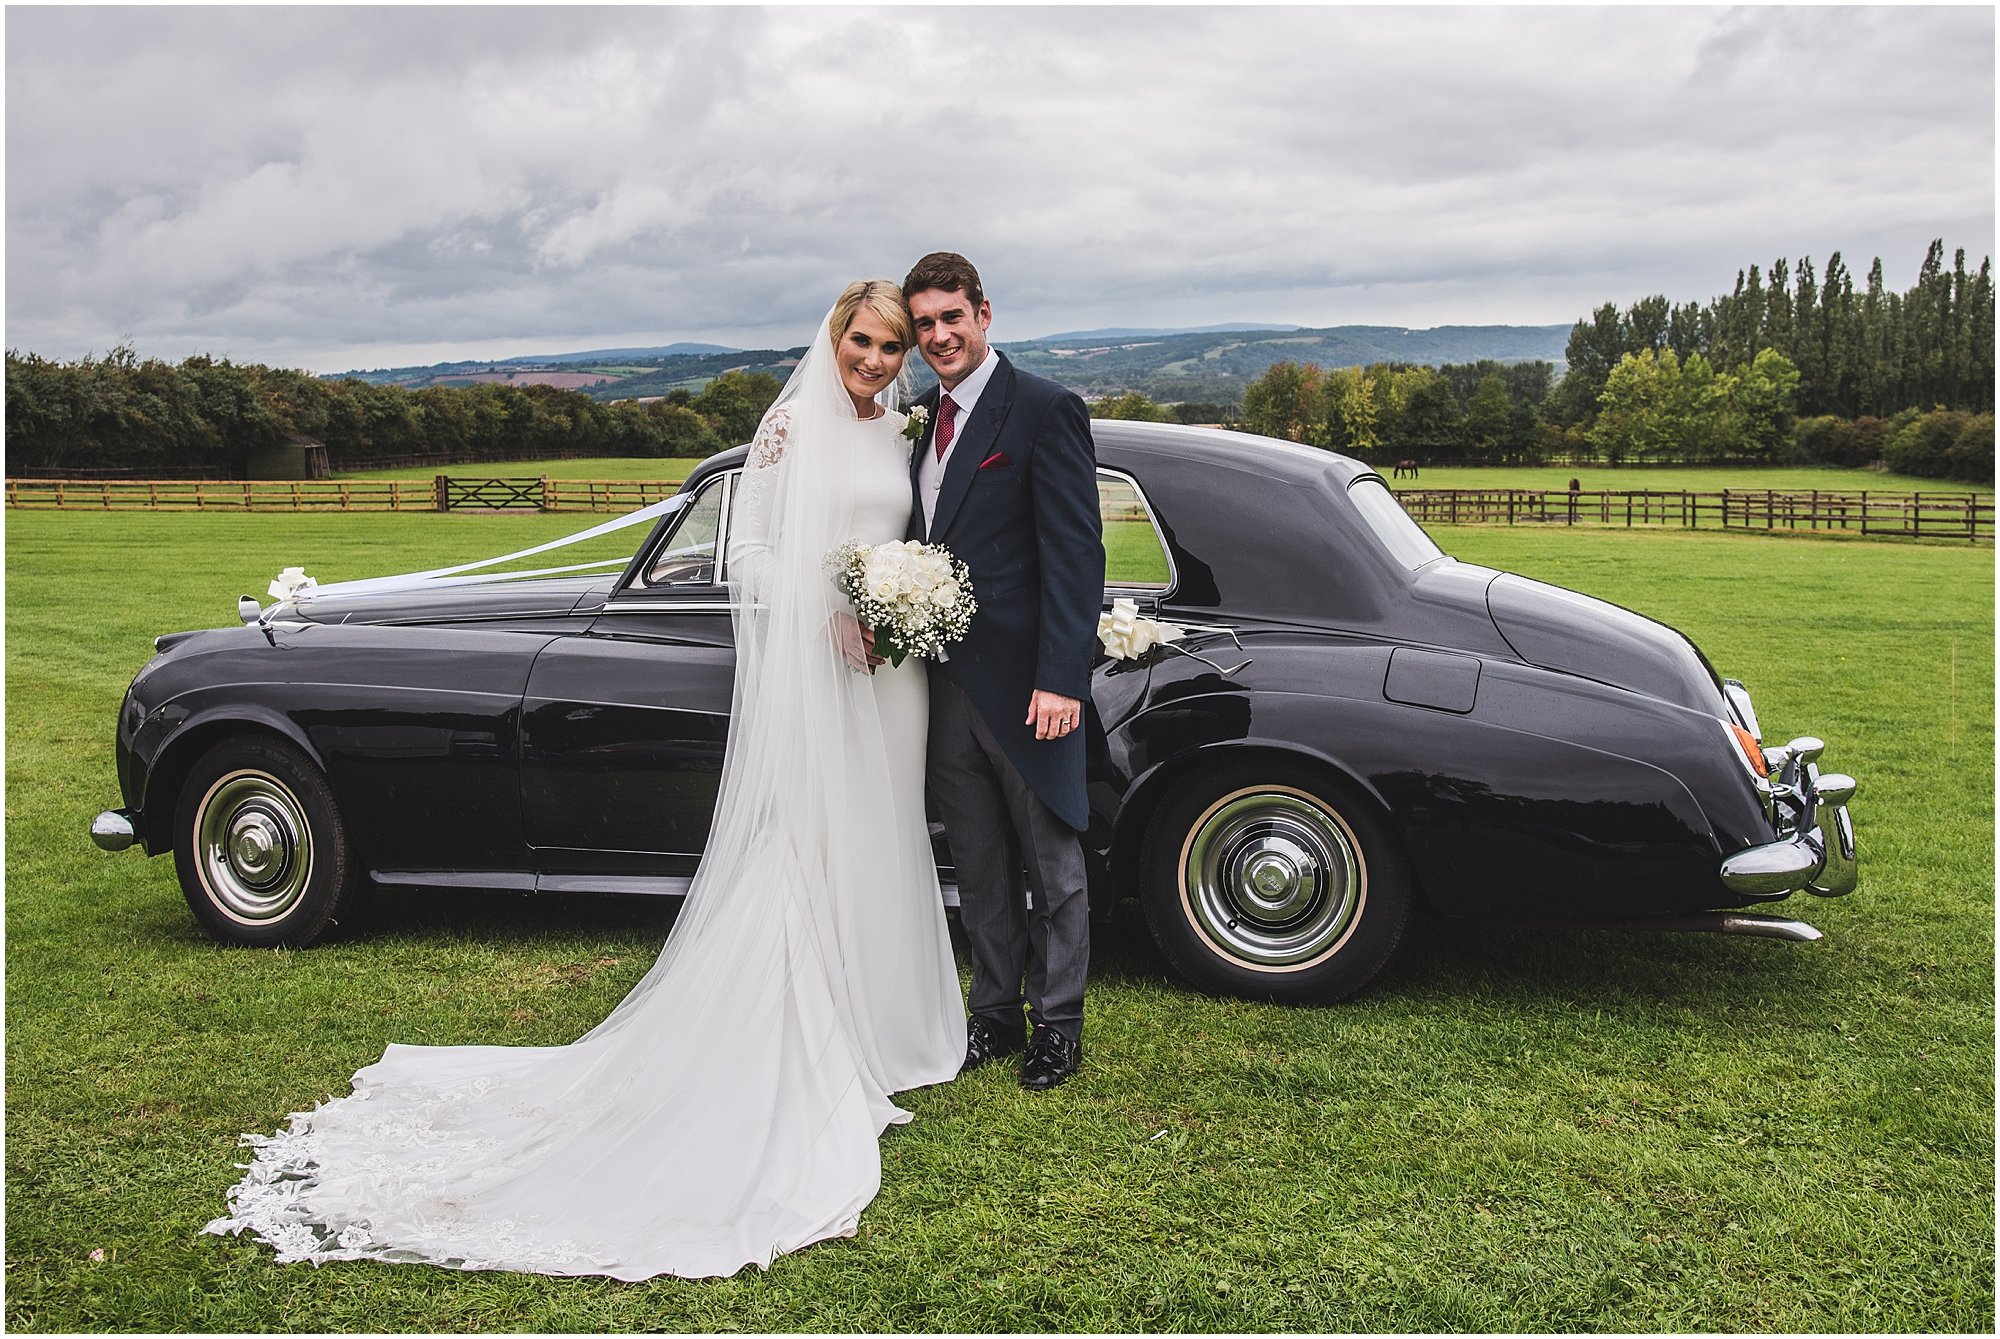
pixel 891 563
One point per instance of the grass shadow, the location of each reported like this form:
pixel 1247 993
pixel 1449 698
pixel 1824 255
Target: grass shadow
pixel 1444 961
pixel 1715 974
pixel 501 917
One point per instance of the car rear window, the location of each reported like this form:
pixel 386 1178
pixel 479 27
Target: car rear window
pixel 1403 537
pixel 1134 557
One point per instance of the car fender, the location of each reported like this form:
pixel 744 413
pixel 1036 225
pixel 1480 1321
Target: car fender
pixel 1153 756
pixel 178 731
pixel 1496 816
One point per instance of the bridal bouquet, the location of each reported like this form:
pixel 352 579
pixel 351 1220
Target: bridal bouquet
pixel 917 597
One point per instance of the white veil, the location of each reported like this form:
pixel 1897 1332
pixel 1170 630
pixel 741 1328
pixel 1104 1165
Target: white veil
pixel 728 1108
pixel 804 780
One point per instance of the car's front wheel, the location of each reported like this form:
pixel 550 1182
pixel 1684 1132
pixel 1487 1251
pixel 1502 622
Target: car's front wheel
pixel 1272 880
pixel 259 846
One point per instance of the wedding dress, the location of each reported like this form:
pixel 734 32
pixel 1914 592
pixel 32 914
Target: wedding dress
pixel 728 1109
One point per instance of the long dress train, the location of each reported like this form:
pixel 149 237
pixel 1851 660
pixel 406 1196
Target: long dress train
pixel 728 1110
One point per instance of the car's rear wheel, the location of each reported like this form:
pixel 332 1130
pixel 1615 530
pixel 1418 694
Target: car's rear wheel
pixel 262 855
pixel 1273 880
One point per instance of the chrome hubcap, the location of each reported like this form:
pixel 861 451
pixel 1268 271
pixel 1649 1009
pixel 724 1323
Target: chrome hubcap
pixel 254 846
pixel 1272 878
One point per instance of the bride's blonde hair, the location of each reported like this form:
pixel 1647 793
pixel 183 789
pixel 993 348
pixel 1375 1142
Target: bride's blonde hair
pixel 881 297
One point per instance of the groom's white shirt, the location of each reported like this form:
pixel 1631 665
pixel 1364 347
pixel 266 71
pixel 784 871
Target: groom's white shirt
pixel 930 470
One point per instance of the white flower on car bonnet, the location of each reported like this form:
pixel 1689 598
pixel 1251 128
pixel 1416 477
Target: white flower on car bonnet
pixel 290 584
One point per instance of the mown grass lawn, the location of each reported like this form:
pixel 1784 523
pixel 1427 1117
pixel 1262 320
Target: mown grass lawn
pixel 1594 477
pixel 1516 1130
pixel 1674 479
pixel 670 468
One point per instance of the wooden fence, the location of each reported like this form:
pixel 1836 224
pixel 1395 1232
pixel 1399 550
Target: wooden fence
pixel 223 494
pixel 444 493
pixel 1955 515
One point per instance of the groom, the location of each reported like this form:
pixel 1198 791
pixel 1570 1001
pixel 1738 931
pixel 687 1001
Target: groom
pixel 1005 476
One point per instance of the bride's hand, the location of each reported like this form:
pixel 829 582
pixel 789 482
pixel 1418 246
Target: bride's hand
pixel 856 642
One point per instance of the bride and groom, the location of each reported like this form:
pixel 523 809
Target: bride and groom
pixel 728 1109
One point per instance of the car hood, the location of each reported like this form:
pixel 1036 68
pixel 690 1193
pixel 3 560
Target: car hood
pixel 496 599
pixel 1577 634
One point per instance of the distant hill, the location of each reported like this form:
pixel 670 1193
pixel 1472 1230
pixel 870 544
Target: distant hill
pixel 1187 365
pixel 1217 365
pixel 1135 332
pixel 592 370
pixel 609 355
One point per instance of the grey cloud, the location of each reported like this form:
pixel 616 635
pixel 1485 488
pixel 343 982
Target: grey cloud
pixel 333 186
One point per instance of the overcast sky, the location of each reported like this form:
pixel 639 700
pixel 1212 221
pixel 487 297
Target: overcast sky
pixel 343 188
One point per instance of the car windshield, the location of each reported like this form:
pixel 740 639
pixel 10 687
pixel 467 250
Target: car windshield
pixel 688 556
pixel 1403 537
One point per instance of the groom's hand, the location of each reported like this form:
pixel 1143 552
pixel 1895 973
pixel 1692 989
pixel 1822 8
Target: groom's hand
pixel 1053 715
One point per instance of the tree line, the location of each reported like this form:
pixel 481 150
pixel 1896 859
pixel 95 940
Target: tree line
pixel 1866 353
pixel 119 411
pixel 1792 365
pixel 1788 368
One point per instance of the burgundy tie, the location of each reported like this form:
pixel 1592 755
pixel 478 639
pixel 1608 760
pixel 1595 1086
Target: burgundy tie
pixel 947 424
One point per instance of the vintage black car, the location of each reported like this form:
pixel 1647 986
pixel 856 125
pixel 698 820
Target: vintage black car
pixel 1354 722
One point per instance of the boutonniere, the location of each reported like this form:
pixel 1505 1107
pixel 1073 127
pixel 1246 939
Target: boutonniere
pixel 920 418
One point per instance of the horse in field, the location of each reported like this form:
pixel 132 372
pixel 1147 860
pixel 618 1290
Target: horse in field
pixel 1403 467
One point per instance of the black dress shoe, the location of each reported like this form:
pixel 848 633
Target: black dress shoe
pixel 1052 1058
pixel 985 1042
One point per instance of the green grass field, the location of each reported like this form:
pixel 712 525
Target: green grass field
pixel 1492 476
pixel 671 468
pixel 1519 1130
pixel 1693 479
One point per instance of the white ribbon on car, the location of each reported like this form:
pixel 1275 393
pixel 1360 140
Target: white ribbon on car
pixel 295 587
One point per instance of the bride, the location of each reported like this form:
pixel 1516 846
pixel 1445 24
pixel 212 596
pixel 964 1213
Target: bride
pixel 727 1110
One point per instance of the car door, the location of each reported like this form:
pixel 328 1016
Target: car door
pixel 623 728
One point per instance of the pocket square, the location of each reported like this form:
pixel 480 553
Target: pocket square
pixel 999 460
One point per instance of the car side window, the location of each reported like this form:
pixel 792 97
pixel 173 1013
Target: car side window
pixel 1135 558
pixel 688 558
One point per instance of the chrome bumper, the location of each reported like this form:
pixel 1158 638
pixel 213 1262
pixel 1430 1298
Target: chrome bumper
pixel 115 829
pixel 1815 846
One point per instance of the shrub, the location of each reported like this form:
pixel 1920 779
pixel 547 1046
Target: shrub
pixel 1943 444
pixel 1970 456
pixel 1919 446
pixel 1812 441
pixel 1132 405
pixel 1859 443
pixel 680 431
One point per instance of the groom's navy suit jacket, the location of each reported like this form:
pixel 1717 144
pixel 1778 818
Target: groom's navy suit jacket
pixel 1018 504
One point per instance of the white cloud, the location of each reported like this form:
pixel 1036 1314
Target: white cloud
pixel 336 187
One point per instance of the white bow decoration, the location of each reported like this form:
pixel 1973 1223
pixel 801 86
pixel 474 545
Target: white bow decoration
pixel 1127 634
pixel 290 584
